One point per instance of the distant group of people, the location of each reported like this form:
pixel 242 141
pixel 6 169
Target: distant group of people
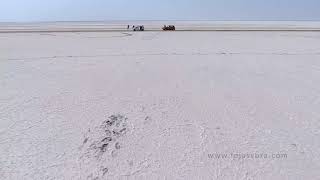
pixel 129 27
pixel 136 28
pixel 141 28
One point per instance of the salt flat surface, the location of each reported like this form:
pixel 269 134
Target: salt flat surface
pixel 159 105
pixel 157 25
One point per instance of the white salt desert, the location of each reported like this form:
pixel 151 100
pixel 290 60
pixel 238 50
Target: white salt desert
pixel 160 105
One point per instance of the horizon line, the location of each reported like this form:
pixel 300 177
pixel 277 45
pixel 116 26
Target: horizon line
pixel 122 20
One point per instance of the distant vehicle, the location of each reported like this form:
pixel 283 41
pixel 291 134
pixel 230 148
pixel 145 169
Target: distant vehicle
pixel 138 28
pixel 169 28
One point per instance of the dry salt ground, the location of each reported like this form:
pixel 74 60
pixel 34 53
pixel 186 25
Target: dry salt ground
pixel 160 105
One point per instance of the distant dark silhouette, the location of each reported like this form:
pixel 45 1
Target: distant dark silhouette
pixel 169 28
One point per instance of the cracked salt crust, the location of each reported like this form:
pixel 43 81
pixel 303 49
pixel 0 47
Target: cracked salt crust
pixel 154 105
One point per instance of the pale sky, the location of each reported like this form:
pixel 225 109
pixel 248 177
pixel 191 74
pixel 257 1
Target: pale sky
pixel 97 10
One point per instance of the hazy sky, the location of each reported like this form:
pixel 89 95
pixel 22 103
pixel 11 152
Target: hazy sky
pixel 84 10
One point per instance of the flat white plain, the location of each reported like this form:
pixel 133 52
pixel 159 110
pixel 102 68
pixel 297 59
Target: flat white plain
pixel 180 96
